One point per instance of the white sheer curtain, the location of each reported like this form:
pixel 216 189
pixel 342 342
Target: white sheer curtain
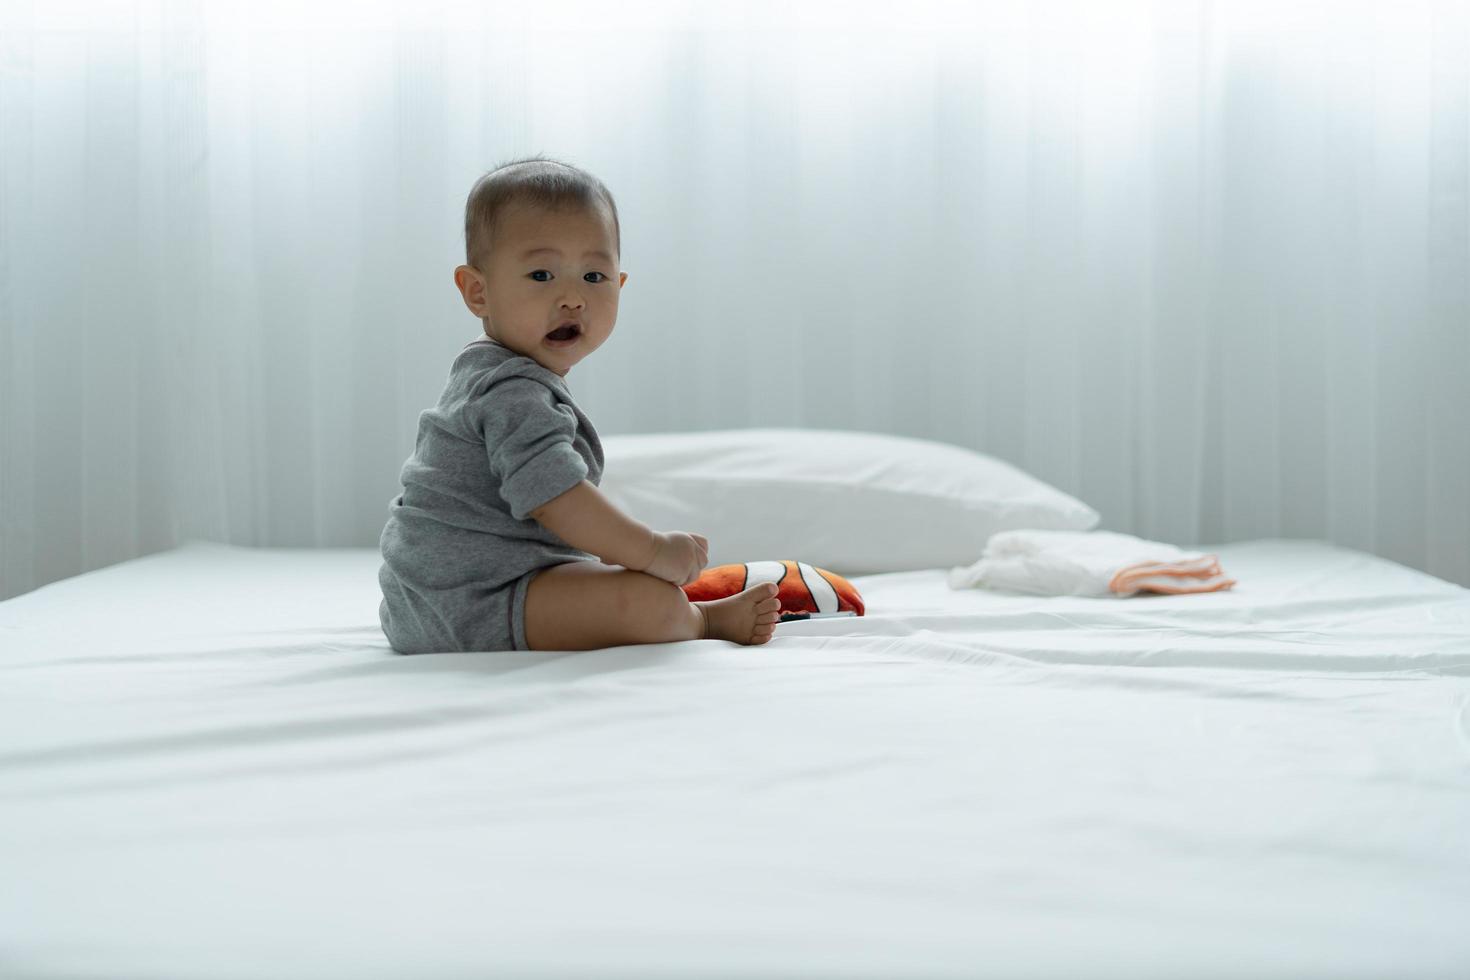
pixel 1203 265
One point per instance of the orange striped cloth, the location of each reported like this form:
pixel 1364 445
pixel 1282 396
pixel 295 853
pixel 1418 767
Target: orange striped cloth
pixel 1095 563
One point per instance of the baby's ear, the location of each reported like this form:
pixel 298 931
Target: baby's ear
pixel 622 278
pixel 467 280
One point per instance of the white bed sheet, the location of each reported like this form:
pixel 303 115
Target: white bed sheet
pixel 212 766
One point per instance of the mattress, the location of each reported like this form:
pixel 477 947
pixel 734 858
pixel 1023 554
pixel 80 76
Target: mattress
pixel 213 766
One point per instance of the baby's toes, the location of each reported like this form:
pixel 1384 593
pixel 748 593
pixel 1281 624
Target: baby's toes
pixel 768 605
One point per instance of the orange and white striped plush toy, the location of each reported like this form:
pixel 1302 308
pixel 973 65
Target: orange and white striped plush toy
pixel 802 588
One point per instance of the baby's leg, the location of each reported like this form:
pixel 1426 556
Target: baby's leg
pixel 585 605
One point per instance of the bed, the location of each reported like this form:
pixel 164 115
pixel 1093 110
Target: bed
pixel 213 766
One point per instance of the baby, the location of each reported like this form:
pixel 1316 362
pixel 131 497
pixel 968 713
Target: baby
pixel 500 539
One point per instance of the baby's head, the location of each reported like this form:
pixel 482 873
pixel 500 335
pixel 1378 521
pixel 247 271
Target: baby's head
pixel 541 249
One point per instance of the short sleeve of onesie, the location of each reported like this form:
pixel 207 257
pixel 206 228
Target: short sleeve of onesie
pixel 528 436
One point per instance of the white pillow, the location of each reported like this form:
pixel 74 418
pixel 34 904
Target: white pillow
pixel 855 503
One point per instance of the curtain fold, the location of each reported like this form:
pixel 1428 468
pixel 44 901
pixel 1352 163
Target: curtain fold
pixel 1203 265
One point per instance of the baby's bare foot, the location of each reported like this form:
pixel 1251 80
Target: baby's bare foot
pixel 747 617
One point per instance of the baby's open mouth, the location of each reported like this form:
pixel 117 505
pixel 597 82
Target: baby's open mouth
pixel 566 332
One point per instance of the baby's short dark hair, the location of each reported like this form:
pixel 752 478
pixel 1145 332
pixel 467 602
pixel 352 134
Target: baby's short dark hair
pixel 538 181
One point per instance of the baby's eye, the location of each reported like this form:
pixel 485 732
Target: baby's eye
pixel 597 274
pixel 539 271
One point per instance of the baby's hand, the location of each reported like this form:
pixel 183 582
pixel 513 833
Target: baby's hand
pixel 680 557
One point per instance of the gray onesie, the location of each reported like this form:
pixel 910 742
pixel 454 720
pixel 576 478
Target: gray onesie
pixel 460 548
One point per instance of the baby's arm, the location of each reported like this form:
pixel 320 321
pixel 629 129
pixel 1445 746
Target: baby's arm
pixel 585 519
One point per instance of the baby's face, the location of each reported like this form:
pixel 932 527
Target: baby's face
pixel 547 268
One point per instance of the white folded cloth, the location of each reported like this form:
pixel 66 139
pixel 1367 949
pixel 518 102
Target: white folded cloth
pixel 1091 563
